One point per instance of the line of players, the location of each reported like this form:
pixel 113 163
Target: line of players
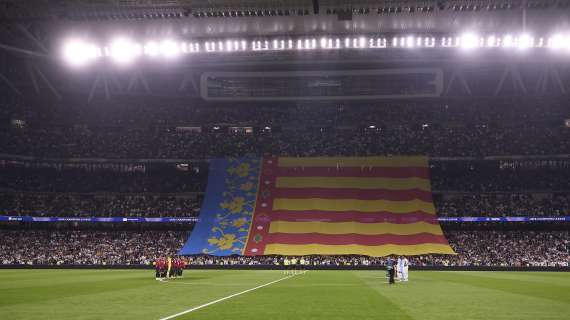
pixel 396 270
pixel 173 267
pixel 167 268
pixel 295 266
pixel 399 271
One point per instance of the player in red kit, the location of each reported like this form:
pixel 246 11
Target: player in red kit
pixel 182 266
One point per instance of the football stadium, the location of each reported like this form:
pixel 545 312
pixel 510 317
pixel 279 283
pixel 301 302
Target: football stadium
pixel 285 159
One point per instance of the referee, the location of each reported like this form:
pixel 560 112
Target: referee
pixel 391 270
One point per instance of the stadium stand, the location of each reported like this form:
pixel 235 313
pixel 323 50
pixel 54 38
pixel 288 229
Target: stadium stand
pixel 163 143
pixel 99 204
pixel 91 247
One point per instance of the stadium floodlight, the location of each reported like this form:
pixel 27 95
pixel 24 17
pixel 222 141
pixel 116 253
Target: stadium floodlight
pixel 525 41
pixel 507 41
pixel 491 42
pixel 447 42
pixel 559 41
pixel 170 49
pixel 78 53
pixel 151 48
pixel 121 50
pixel 555 41
pixel 124 51
pixel 410 42
pixel 469 41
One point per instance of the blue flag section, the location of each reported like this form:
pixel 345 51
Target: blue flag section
pixel 227 210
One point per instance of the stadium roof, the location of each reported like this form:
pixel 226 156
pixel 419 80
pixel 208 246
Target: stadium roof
pixel 32 33
pixel 253 17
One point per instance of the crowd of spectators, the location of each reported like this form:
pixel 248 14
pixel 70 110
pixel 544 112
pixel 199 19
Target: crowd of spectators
pixel 148 131
pixel 134 111
pixel 473 248
pixel 489 177
pixel 87 247
pixel 165 142
pixel 79 180
pixel 99 205
pixel 188 205
pixel 510 248
pixel 444 178
pixel 502 204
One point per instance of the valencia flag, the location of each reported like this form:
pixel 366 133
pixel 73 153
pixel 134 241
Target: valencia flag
pixel 373 206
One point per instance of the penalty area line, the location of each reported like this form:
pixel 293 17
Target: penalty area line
pixel 224 298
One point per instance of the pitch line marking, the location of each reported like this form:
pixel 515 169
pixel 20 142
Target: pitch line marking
pixel 224 298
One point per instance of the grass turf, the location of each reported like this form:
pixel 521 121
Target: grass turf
pixel 134 294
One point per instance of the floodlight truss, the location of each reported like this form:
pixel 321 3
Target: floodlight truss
pixel 175 48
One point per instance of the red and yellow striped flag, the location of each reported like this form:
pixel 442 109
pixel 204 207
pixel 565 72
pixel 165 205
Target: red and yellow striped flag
pixel 373 206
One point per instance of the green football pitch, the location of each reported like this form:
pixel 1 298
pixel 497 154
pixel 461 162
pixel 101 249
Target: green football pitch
pixel 270 295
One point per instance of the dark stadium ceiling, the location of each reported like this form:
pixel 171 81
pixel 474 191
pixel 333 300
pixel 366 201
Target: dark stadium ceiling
pixel 216 18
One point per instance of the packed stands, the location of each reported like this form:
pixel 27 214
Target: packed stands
pixel 132 180
pixel 473 247
pixel 99 205
pixel 151 160
pixel 502 204
pixel 167 142
pixel 87 247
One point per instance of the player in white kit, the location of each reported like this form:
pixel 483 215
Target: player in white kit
pixel 405 265
pixel 399 269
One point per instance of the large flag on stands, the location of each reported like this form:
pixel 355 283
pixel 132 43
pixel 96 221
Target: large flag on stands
pixel 373 206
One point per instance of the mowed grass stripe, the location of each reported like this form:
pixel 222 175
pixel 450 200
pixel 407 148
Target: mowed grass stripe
pixel 323 295
pixel 556 278
pixel 124 299
pixel 428 296
pixel 519 286
pixel 38 278
pixel 237 294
